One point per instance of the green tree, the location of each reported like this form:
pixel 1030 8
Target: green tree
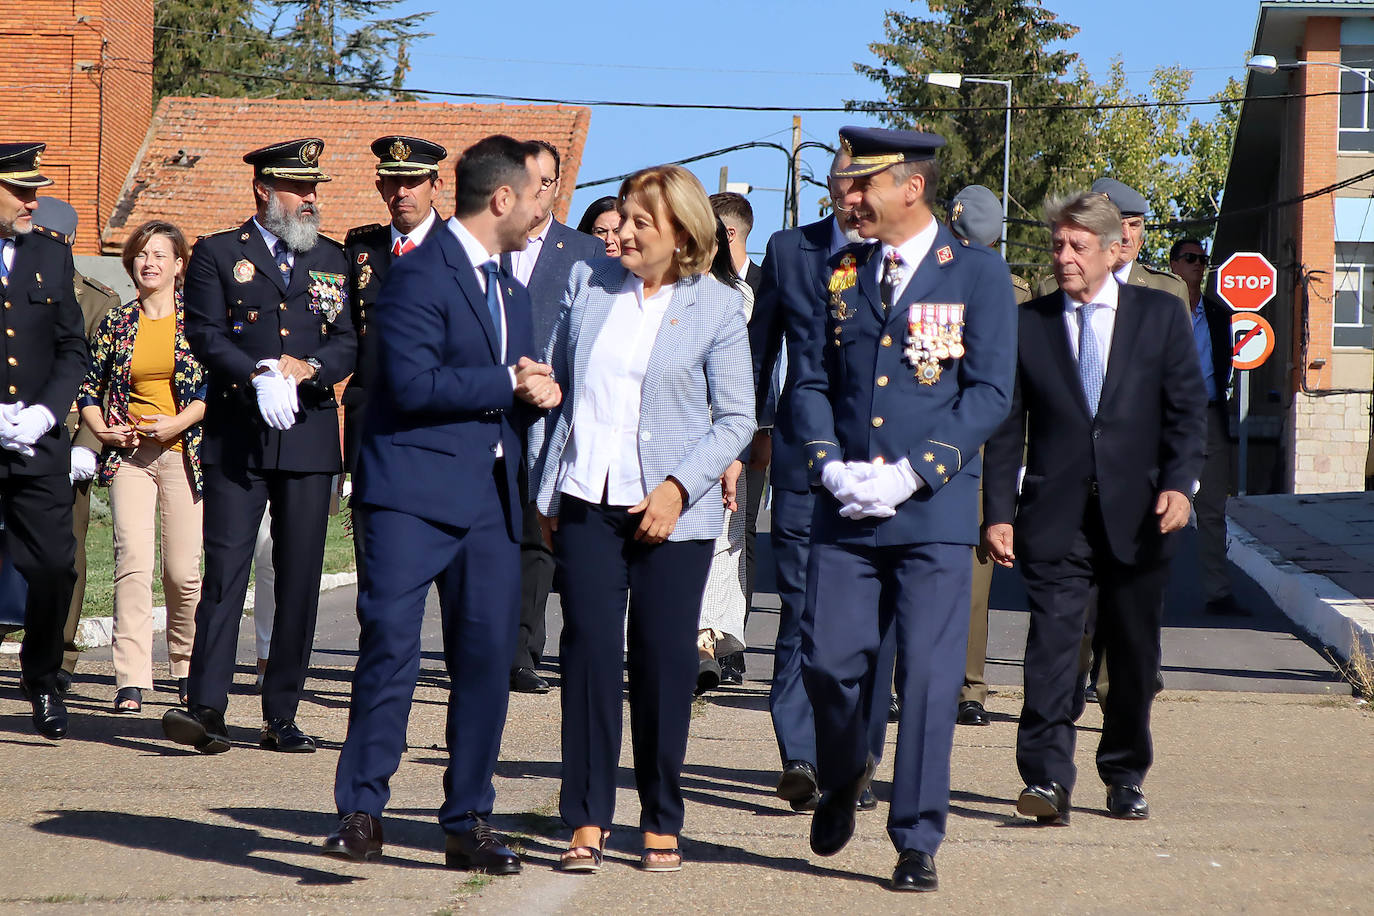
pixel 1018 40
pixel 202 48
pixel 321 43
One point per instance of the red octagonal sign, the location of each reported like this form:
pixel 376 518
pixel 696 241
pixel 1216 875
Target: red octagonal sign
pixel 1246 281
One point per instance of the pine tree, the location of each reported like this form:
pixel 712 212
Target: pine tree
pixel 342 48
pixel 201 48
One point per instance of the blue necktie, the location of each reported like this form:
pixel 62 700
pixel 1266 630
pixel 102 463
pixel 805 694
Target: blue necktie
pixel 494 296
pixel 279 253
pixel 1090 369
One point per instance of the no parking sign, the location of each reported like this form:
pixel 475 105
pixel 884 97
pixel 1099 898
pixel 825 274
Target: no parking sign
pixel 1252 340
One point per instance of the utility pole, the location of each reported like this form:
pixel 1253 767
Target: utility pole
pixel 724 177
pixel 795 208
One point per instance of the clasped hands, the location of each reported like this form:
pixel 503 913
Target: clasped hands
pixel 869 489
pixel 278 399
pixel 21 427
pixel 534 384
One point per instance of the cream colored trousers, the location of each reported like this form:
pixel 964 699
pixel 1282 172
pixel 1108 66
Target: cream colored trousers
pixel 153 487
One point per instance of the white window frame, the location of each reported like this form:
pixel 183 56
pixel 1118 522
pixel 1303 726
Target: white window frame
pixel 1364 109
pixel 1360 270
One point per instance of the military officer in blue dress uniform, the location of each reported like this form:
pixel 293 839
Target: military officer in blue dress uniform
pixel 899 382
pixel 408 181
pixel 42 360
pixel 267 314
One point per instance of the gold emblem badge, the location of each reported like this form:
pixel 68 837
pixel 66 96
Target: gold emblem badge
pixel 310 152
pixel 944 255
pixel 845 147
pixel 243 271
pixel 958 210
pixel 844 277
pixel 399 151
pixel 37 159
pixel 364 276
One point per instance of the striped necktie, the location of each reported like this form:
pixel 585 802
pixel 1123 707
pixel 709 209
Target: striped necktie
pixel 1090 368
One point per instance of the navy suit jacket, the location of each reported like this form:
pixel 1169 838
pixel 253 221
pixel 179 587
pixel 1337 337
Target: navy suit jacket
pixel 794 276
pixel 442 399
pixel 563 247
pixel 1147 436
pixel 856 397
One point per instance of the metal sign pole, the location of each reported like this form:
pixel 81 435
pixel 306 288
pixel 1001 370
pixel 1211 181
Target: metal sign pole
pixel 1243 386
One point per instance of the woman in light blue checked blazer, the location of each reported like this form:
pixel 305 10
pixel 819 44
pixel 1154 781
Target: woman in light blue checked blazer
pixel 658 401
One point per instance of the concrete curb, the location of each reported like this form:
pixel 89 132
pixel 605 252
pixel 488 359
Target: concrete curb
pixel 1318 606
pixel 97 632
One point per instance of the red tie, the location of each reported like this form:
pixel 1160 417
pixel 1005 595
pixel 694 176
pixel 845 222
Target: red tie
pixel 402 246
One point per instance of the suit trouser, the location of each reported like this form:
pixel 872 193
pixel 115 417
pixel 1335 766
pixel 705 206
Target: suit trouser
pixel 536 581
pixel 602 566
pixel 794 723
pixel 81 523
pixel 855 594
pixel 234 503
pixel 1210 504
pixel 478 570
pixel 1129 611
pixel 38 537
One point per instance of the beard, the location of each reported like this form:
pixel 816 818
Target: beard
pixel 12 227
pixel 852 235
pixel 298 229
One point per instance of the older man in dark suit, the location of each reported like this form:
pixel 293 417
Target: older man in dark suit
pixel 1110 408
pixel 543 266
pixel 447 417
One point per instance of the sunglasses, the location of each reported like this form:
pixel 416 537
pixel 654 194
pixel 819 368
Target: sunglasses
pixel 1192 257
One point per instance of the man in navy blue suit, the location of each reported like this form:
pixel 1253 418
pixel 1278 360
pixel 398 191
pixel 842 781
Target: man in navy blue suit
pixel 898 384
pixel 443 440
pixel 794 275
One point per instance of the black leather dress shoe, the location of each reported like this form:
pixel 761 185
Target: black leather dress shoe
pixel 708 675
pixel 49 714
pixel 867 801
pixel 64 682
pixel 915 871
pixel 358 837
pixel 971 712
pixel 894 708
pixel 1127 803
pixel 480 849
pixel 527 680
pixel 732 669
pixel 1048 804
pixel 1090 694
pixel 833 823
pixel 282 735
pixel 200 726
pixel 797 786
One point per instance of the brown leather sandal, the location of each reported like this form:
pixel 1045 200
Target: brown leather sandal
pixel 584 860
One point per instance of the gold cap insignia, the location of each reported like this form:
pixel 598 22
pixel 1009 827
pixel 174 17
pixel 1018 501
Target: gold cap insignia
pixel 845 147
pixel 37 159
pixel 399 151
pixel 958 210
pixel 310 153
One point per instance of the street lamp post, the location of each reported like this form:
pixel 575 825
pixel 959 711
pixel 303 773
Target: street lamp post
pixel 1267 63
pixel 954 81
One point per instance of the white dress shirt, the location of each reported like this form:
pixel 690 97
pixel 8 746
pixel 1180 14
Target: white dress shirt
pixel 602 455
pixel 1123 275
pixel 522 262
pixel 1103 320
pixel 913 252
pixel 271 239
pixel 416 235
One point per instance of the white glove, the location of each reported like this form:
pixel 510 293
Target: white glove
pixel 277 399
pixel 842 478
pixel 83 463
pixel 30 424
pixel 889 486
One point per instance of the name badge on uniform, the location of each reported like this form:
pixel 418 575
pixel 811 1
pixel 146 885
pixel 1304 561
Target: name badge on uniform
pixel 327 293
pixel 935 333
pixel 243 271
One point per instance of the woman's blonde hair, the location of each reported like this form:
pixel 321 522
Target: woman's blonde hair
pixel 672 192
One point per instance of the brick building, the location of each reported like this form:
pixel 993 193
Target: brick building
pixel 1311 402
pixel 191 169
pixel 79 78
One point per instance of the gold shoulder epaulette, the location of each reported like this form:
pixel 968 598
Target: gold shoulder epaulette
pixel 56 236
pixel 218 232
pixel 358 232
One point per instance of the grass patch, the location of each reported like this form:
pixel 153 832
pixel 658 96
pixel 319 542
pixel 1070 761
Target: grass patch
pixel 1359 670
pixel 476 883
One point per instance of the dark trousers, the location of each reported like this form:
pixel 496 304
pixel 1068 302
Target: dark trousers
pixel 234 502
pixel 1210 504
pixel 756 483
pixel 478 570
pixel 357 520
pixel 975 661
pixel 39 541
pixel 854 595
pixel 794 723
pixel 1129 610
pixel 536 581
pixel 601 565
pixel 81 522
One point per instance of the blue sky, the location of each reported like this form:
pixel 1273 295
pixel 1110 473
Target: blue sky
pixel 760 53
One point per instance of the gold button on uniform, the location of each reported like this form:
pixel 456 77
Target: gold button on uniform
pixel 285 332
pixel 12 361
pixel 877 421
pixel 282 307
pixel 882 381
pixel 9 332
pixel 886 341
pixel 13 390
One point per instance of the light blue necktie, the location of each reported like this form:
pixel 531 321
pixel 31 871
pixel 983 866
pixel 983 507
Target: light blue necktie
pixel 1090 369
pixel 494 295
pixel 283 259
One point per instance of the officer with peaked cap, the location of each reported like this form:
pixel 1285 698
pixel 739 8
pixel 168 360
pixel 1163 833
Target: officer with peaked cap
pixel 409 183
pixel 975 215
pixel 899 382
pixel 42 361
pixel 267 314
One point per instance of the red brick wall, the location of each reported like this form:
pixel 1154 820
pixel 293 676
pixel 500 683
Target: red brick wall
pixel 93 116
pixel 1316 222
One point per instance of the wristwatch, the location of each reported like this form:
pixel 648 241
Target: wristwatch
pixel 313 363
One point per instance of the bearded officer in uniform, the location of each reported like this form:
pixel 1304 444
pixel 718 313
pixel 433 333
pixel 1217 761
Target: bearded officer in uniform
pixel 267 314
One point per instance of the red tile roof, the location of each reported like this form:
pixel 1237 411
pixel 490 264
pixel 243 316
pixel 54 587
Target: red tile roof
pixel 190 170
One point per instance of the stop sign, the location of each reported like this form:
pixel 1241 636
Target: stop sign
pixel 1246 281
